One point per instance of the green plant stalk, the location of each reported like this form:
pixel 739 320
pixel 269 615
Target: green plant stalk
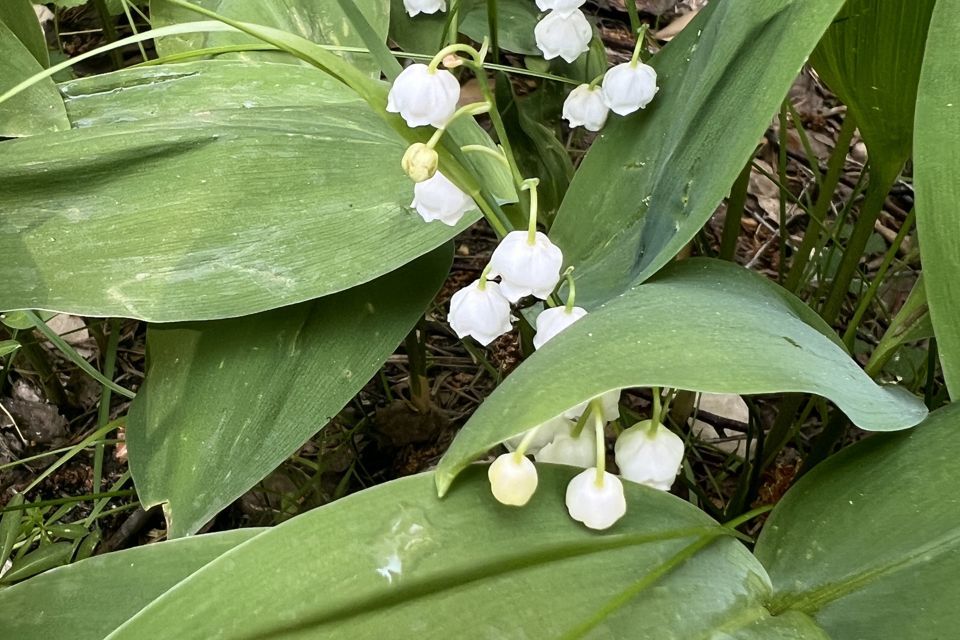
pixel 634 16
pixel 782 174
pixel 48 378
pixel 110 30
pixel 779 434
pixel 104 499
pixel 812 159
pixel 499 126
pixel 103 411
pixel 866 300
pixel 832 235
pixel 882 178
pixel 735 207
pixel 47 454
pixel 74 450
pixel 824 198
pixel 69 500
pixel 493 25
pixel 416 347
pixel 8 362
pixel 133 26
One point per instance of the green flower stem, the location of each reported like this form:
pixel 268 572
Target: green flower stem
pixel 497 121
pixel 601 442
pixel 530 184
pixel 593 83
pixel 571 288
pixel 637 48
pixel 582 421
pixel 657 409
pixel 525 444
pixel 483 278
pixel 472 109
pixel 492 28
pixel 634 16
pixel 453 48
pixel 479 148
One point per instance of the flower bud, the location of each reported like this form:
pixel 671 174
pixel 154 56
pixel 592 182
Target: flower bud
pixel 609 407
pixel 629 86
pixel 513 479
pixel 584 107
pixel 415 7
pixel 563 35
pixel 479 312
pixel 564 7
pixel 649 454
pixel 597 505
pixel 550 322
pixel 420 162
pixel 439 199
pixel 545 434
pixel 423 97
pixel 575 452
pixel 525 268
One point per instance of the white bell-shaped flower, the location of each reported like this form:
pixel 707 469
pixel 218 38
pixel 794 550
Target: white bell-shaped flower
pixel 585 107
pixel 560 6
pixel 565 449
pixel 649 454
pixel 550 322
pixel 526 269
pixel 415 7
pixel 479 311
pixel 564 35
pixel 629 86
pixel 513 479
pixel 598 505
pixel 609 407
pixel 423 97
pixel 545 434
pixel 437 198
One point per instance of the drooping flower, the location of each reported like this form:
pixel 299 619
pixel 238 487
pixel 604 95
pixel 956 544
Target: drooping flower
pixel 629 86
pixel 609 407
pixel 564 7
pixel 649 453
pixel 481 311
pixel 596 502
pixel 424 97
pixel 525 268
pixel 563 35
pixel 573 451
pixel 415 7
pixel 550 322
pixel 585 107
pixel 439 199
pixel 545 434
pixel 513 479
pixel 420 162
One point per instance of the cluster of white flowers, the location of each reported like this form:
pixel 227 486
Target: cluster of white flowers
pixel 647 453
pixel 625 88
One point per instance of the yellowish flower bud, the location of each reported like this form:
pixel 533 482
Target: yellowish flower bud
pixel 420 162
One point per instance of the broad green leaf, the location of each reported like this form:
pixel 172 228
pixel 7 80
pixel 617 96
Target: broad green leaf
pixel 516 20
pixel 87 600
pixel 205 190
pixel 912 323
pixel 320 22
pixel 702 325
pixel 37 110
pixel 225 402
pixel 421 34
pixel 393 561
pixel 870 57
pixel 652 179
pixel 20 17
pixel 8 346
pixel 937 182
pixel 37 561
pixel 869 542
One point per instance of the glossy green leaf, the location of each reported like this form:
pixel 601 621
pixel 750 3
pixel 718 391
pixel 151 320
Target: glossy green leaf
pixel 37 110
pixel 516 20
pixel 702 325
pixel 393 561
pixel 225 402
pixel 174 201
pixel 937 182
pixel 870 57
pixel 321 22
pixel 87 600
pixel 8 346
pixel 421 34
pixel 869 542
pixel 652 179
pixel 20 17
